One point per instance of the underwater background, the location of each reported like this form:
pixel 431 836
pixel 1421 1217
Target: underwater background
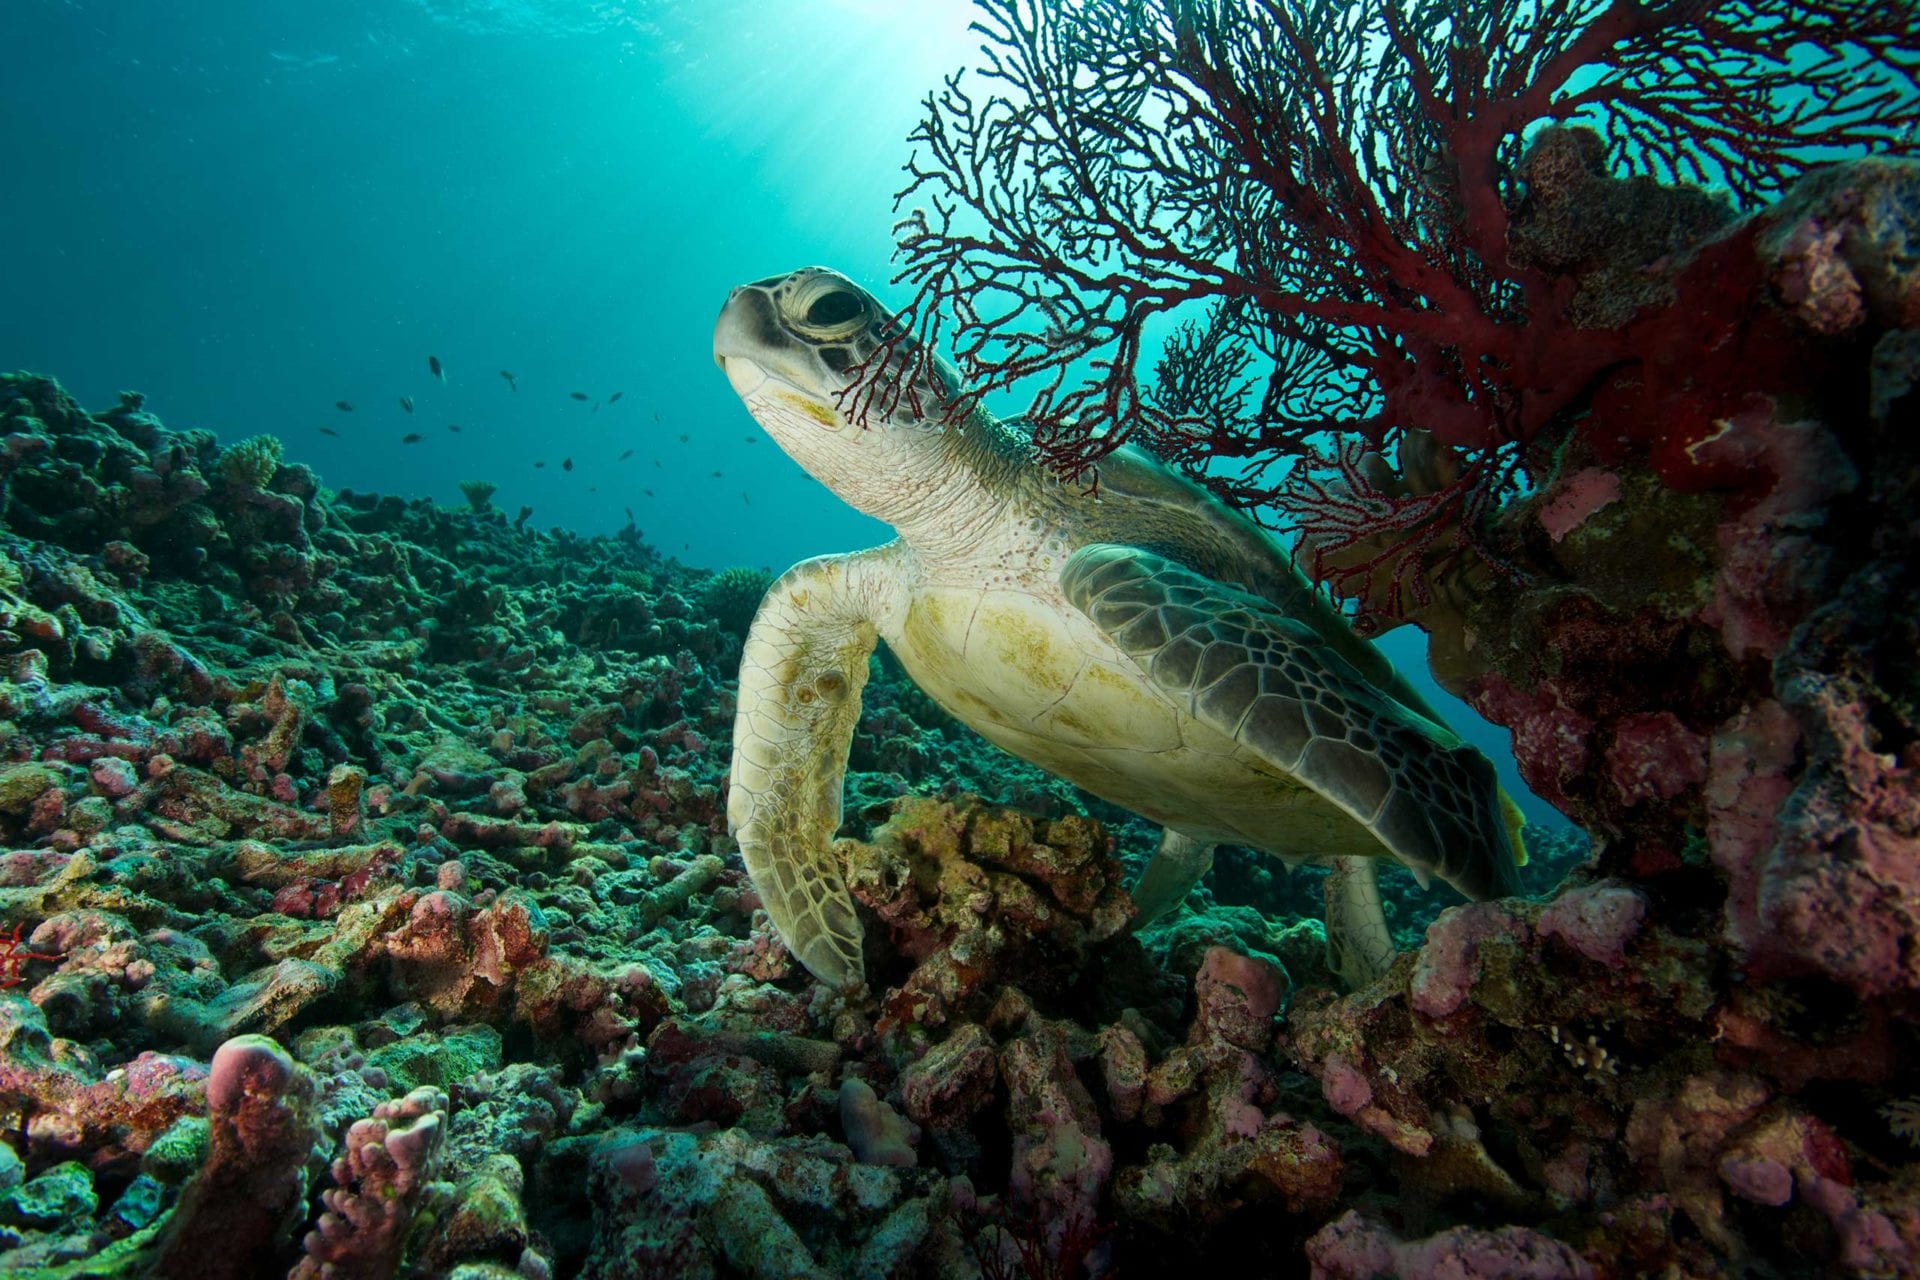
pixel 379 545
pixel 294 205
pixel 298 203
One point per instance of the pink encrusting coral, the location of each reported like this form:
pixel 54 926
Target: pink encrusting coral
pixel 1654 757
pixel 1836 889
pixel 1444 973
pixel 1597 920
pixel 1355 1248
pixel 1579 496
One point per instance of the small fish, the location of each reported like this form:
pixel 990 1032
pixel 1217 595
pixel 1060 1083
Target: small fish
pixel 744 498
pixel 343 406
pixel 656 415
pixel 716 475
pixel 684 437
pixel 657 466
pixel 511 384
pixel 566 464
pixel 580 395
pixel 648 492
pixel 629 511
pixel 406 402
pixel 750 439
pixel 412 437
pixel 433 367
pixel 328 431
pixel 538 465
pixel 454 427
pixel 593 488
pixel 615 397
pixel 623 457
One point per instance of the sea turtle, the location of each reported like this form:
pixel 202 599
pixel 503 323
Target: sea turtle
pixel 1139 639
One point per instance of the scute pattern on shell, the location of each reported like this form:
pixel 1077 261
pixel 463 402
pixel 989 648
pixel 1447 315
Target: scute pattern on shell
pixel 1269 681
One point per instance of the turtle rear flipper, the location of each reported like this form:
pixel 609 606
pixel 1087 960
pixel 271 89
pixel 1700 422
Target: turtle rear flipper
pixel 1276 686
pixel 1359 941
pixel 1179 865
pixel 801 673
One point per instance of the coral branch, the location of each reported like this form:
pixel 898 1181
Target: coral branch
pixel 1335 189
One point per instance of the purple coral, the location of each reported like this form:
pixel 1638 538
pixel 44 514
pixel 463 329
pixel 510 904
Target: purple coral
pixel 1061 1163
pixel 241 1207
pixel 877 1133
pixel 1444 973
pixel 1354 1248
pixel 379 1181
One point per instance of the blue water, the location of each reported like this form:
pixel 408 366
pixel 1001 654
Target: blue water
pixel 252 209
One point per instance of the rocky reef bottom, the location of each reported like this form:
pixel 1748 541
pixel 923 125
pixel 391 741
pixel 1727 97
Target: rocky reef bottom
pixel 367 909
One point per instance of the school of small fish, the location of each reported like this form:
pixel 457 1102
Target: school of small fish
pixel 437 370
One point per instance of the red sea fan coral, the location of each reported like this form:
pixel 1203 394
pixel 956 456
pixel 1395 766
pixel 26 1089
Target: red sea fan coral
pixel 1381 230
pixel 12 958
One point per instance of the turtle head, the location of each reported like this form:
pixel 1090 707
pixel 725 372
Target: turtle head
pixel 791 346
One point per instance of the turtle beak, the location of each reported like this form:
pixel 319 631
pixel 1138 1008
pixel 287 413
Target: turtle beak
pixel 719 356
pixel 738 331
pixel 746 338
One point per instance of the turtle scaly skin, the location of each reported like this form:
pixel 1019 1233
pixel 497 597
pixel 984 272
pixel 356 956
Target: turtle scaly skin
pixel 1142 641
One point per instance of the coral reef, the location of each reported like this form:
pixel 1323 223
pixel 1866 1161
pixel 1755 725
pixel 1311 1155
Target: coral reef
pixel 732 596
pixel 371 856
pixel 251 1186
pixel 349 833
pixel 1638 458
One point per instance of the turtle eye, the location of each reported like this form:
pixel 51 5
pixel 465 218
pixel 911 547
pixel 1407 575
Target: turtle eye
pixel 833 308
pixel 824 307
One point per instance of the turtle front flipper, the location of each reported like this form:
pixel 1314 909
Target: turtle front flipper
pixel 801 673
pixel 1277 687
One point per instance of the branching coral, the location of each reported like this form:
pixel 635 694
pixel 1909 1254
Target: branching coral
pixel 1903 1119
pixel 252 462
pixel 479 493
pixel 1359 200
pixel 732 596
